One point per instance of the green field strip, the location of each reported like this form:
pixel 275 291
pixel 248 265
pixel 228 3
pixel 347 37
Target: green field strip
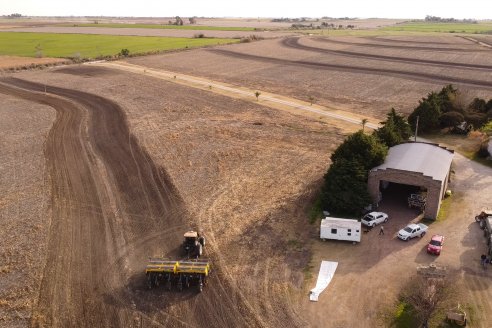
pixel 442 27
pixel 93 45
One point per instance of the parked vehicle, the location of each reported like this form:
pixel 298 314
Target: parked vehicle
pixel 412 231
pixel 374 218
pixel 484 214
pixel 340 229
pixel 435 245
pixel 417 201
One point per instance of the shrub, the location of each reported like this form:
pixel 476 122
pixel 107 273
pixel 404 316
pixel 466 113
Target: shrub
pixel 251 38
pixel 199 36
pixel 451 119
pixel 476 119
pixel 483 152
pixel 124 52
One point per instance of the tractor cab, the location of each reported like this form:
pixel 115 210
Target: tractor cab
pixel 193 244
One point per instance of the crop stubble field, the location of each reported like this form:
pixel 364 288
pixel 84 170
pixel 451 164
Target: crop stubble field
pixel 128 173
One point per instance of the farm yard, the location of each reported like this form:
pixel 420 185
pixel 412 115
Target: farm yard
pixel 104 167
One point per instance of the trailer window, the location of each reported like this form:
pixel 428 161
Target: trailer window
pixel 333 231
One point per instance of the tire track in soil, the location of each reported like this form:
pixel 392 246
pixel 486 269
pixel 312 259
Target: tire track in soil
pixel 294 43
pixel 420 77
pixel 94 271
pixel 393 46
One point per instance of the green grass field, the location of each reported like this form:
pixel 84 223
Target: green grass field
pixel 92 46
pixel 157 26
pixel 441 27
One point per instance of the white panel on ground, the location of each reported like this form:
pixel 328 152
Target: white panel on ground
pixel 326 273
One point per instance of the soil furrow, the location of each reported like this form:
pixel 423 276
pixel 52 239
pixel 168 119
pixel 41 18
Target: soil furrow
pixel 426 77
pixel 294 43
pixel 393 46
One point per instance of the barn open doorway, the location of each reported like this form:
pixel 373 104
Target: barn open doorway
pixel 395 200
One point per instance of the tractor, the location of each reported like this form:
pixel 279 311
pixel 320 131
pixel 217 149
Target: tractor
pixel 190 271
pixel 193 244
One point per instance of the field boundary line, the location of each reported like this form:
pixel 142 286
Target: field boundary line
pixel 267 99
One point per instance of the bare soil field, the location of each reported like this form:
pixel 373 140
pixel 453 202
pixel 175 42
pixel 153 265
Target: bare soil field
pixel 364 78
pixel 131 162
pixel 17 62
pixel 24 207
pixel 148 32
pixel 191 160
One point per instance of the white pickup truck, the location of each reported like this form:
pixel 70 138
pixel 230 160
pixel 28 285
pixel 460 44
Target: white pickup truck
pixel 412 231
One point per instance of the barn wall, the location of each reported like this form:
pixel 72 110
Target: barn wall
pixel 434 188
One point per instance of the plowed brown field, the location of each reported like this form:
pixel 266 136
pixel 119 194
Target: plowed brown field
pixel 228 168
pixel 366 75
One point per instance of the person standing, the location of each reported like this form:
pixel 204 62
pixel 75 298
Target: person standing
pixel 483 260
pixel 381 230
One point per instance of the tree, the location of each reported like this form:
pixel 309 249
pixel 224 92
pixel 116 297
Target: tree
pixel 362 148
pixel 257 95
pixel 402 128
pixel 488 106
pixel 447 97
pixel 478 105
pixel 388 134
pixel 428 297
pixel 364 122
pixel 345 187
pixel 394 130
pixel 428 111
pixel 311 100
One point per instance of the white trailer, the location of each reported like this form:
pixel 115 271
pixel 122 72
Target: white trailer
pixel 340 229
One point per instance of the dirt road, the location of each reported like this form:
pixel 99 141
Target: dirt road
pixel 110 205
pixel 335 116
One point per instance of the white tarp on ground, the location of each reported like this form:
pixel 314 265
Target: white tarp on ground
pixel 326 273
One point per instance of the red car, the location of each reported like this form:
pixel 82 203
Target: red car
pixel 435 245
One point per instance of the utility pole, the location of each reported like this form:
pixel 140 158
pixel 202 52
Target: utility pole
pixel 416 128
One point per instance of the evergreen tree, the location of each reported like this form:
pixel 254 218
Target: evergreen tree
pixel 345 189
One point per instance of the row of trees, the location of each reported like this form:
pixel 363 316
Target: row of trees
pixel 447 108
pixel 345 184
pixel 179 21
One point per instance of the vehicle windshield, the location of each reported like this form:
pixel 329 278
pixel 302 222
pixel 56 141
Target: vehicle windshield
pixel 435 243
pixel 368 218
pixel 408 229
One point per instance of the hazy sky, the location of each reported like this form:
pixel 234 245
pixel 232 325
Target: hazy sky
pixel 479 9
